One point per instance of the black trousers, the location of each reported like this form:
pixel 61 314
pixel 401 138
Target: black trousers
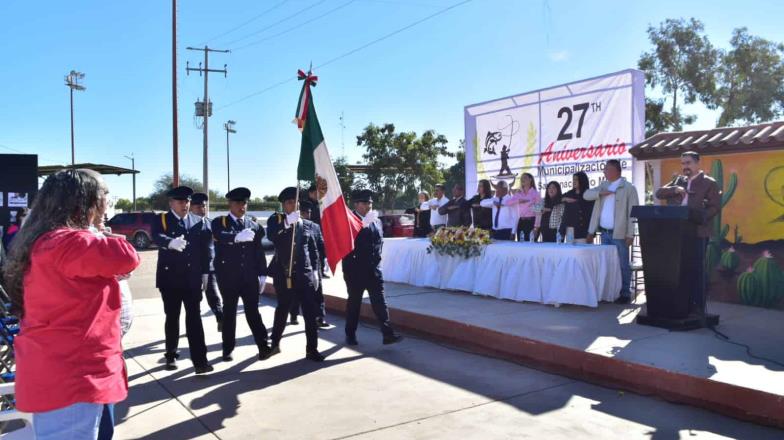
pixel 249 292
pixel 212 294
pixel 356 284
pixel 320 308
pixel 501 234
pixel 549 235
pixel 173 300
pixel 306 296
pixel 699 298
pixel 524 227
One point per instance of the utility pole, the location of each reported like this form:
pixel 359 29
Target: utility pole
pixel 72 81
pixel 204 109
pixel 133 168
pixel 229 127
pixel 175 134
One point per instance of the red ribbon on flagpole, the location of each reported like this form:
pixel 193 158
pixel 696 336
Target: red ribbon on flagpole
pixel 302 109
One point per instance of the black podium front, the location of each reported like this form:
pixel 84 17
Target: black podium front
pixel 673 266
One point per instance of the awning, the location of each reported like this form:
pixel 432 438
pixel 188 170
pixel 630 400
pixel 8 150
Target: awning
pixel 100 168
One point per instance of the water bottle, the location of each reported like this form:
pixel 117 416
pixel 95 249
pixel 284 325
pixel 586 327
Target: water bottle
pixel 570 235
pixel 532 236
pixel 558 237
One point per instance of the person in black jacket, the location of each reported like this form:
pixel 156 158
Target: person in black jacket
pixel 482 217
pixel 183 242
pixel 305 211
pixel 295 277
pixel 457 210
pixel 577 210
pixel 421 215
pixel 361 271
pixel 211 291
pixel 239 265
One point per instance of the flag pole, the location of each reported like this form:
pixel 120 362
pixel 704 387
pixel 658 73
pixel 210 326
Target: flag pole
pixel 289 281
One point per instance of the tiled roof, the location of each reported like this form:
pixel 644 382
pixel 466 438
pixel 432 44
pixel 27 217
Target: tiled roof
pixel 766 136
pixel 45 170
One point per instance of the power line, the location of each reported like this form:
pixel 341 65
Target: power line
pixel 277 5
pixel 282 20
pixel 296 27
pixel 351 52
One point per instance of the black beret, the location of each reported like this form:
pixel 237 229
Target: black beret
pixel 362 195
pixel 289 193
pixel 240 194
pixel 199 199
pixel 180 193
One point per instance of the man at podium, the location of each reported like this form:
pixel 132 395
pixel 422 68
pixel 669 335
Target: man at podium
pixel 698 191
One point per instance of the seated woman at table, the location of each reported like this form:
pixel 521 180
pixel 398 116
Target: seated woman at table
pixel 421 215
pixel 577 210
pixel 552 212
pixel 482 216
pixel 528 197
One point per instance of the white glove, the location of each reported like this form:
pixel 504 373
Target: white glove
pixel 262 283
pixel 292 218
pixel 244 236
pixel 204 278
pixel 370 218
pixel 178 244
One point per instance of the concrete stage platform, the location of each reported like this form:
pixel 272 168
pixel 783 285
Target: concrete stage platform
pixel 605 346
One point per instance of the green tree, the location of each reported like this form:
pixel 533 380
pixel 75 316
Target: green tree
pixel 456 173
pixel 751 80
pixel 401 163
pixel 684 61
pixel 123 204
pixel 345 176
pixel 159 201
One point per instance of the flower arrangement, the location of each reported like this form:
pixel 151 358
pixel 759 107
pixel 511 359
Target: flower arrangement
pixel 459 241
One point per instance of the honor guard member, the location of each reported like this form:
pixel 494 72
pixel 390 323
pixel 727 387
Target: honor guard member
pixel 361 271
pixel 199 207
pixel 239 265
pixel 183 242
pixel 305 211
pixel 302 281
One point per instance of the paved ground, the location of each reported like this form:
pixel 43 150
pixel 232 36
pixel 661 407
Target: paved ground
pixel 416 389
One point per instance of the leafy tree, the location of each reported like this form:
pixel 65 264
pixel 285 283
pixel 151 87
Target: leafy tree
pixel 751 80
pixel 657 119
pixel 345 176
pixel 123 204
pixel 159 201
pixel 682 61
pixel 456 173
pixel 401 163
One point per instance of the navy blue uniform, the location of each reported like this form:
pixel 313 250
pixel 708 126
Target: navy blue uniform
pixel 238 267
pixel 305 277
pixel 179 278
pixel 320 309
pixel 211 291
pixel 361 272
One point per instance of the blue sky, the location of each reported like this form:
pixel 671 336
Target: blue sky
pixel 419 79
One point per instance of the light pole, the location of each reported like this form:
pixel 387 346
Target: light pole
pixel 72 81
pixel 133 169
pixel 229 127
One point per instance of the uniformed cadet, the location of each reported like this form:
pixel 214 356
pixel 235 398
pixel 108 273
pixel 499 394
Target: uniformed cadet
pixel 303 281
pixel 183 241
pixel 199 207
pixel 239 265
pixel 305 211
pixel 361 271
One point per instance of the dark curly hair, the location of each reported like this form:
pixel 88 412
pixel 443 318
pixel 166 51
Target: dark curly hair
pixel 66 200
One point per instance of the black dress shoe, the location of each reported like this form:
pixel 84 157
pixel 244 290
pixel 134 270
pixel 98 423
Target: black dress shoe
pixel 201 369
pixel 314 356
pixel 171 364
pixel 321 323
pixel 294 321
pixel 351 340
pixel 394 339
pixel 623 300
pixel 227 357
pixel 267 352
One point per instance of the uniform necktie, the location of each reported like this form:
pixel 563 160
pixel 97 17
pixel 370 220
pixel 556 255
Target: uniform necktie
pixel 498 211
pixel 182 223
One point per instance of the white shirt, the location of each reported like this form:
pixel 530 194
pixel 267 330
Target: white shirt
pixel 185 219
pixel 237 219
pixel 436 218
pixel 509 214
pixel 685 201
pixel 607 219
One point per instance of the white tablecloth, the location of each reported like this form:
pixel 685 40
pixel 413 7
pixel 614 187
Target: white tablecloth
pixel 542 272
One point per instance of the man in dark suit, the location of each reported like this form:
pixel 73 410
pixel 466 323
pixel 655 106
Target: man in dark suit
pixel 183 242
pixel 239 265
pixel 700 192
pixel 305 211
pixel 297 276
pixel 361 271
pixel 457 210
pixel 199 207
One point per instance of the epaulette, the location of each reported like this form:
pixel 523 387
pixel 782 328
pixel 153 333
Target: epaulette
pixel 223 221
pixel 163 222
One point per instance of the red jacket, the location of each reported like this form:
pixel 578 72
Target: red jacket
pixel 68 350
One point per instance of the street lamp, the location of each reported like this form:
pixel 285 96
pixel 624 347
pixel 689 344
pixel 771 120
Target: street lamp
pixel 229 127
pixel 72 81
pixel 133 169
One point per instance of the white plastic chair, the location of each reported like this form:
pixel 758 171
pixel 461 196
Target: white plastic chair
pixel 25 433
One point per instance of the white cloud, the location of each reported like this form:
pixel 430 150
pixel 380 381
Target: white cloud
pixel 562 55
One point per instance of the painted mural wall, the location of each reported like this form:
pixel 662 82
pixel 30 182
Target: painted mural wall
pixel 746 252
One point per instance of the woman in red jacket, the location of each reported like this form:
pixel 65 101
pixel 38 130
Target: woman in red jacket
pixel 62 281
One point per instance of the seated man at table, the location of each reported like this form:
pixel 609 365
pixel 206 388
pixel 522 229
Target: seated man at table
pixel 505 212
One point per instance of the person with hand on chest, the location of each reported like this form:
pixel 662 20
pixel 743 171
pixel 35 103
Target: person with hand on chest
pixel 295 274
pixel 505 213
pixel 211 292
pixel 362 271
pixel 241 268
pixel 457 210
pixel 184 255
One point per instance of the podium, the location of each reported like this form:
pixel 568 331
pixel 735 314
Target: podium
pixel 673 265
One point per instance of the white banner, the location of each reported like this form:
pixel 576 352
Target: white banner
pixel 556 132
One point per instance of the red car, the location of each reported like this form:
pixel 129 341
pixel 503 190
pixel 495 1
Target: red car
pixel 135 226
pixel 398 225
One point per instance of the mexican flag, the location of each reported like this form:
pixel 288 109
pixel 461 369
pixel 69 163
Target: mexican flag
pixel 338 225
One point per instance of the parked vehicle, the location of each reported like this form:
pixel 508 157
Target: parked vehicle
pixel 135 226
pixel 398 225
